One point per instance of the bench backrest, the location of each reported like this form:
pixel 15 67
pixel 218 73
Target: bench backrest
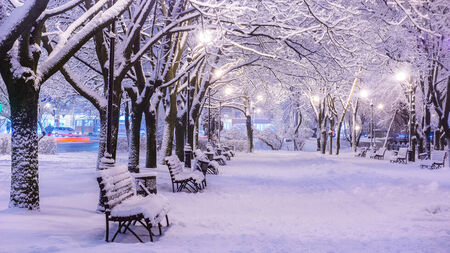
pixel 402 152
pixel 381 151
pixel 116 185
pixel 438 156
pixel 174 164
pixel 199 155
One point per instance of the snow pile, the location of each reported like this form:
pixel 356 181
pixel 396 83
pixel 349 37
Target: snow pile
pixel 263 202
pixel 154 207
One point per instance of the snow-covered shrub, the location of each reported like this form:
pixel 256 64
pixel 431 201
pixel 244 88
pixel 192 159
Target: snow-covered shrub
pixel 5 144
pixel 270 138
pixel 239 145
pixel 122 144
pixel 47 145
pixel 301 137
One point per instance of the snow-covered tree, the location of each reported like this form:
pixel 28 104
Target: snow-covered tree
pixel 24 71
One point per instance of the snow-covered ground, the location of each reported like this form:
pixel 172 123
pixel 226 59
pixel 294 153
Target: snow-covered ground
pixel 261 202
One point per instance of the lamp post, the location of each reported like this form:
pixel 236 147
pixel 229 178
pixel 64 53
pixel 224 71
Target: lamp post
pixel 209 114
pixel 187 146
pixel 371 124
pixel 401 77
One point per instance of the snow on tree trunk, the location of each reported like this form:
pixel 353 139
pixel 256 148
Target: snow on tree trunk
pixel 338 137
pixel 102 139
pixel 151 126
pixel 427 129
pixel 135 137
pixel 323 139
pixel 24 100
pixel 330 134
pixel 248 124
pixel 169 127
pixel 103 132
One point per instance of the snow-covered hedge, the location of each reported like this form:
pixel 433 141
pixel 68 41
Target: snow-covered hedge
pixel 239 145
pixel 47 145
pixel 270 138
pixel 122 144
pixel 5 144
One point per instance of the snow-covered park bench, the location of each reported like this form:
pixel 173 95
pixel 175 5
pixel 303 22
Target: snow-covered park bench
pixel 213 156
pixel 122 205
pixel 229 150
pixel 437 160
pixel 361 152
pixel 192 181
pixel 371 152
pixel 400 157
pixel 203 164
pixel 380 154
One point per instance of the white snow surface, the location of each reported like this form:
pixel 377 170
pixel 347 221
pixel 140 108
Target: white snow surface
pixel 274 201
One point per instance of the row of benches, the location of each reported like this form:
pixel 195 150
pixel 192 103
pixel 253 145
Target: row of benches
pixel 121 204
pixel 436 161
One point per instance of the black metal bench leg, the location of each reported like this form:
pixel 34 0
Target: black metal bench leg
pixel 167 220
pixel 159 227
pixel 107 228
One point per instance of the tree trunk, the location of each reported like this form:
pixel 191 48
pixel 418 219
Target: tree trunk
pixel 169 127
pixel 135 139
pixel 323 141
pixel 330 135
pixel 323 136
pixel 437 137
pixel 195 136
pixel 427 128
pixel 354 135
pixel 151 126
pixel 24 100
pixel 248 124
pixel 179 138
pixel 102 140
pixel 338 137
pixel 127 122
pixel 448 151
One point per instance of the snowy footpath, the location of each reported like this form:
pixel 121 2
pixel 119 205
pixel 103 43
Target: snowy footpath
pixel 261 202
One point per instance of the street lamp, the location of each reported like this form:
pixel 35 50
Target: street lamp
pixel 365 94
pixel 404 76
pixel 316 99
pixel 205 37
pixel 228 91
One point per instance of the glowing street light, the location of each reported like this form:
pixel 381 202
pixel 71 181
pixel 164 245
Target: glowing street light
pixel 259 98
pixel 218 73
pixel 205 37
pixel 401 76
pixel 228 91
pixel 316 99
pixel 380 106
pixel 258 110
pixel 364 93
pixel 357 128
pixel 405 76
